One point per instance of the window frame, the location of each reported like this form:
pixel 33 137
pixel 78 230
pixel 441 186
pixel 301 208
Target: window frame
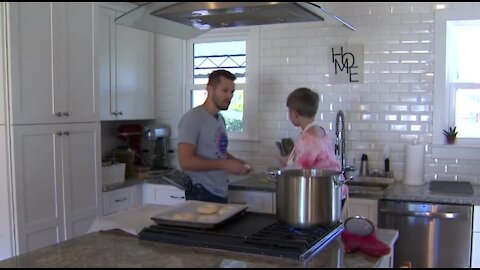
pixel 250 106
pixel 444 91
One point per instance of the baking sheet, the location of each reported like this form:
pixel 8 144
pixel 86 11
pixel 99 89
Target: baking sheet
pixel 188 214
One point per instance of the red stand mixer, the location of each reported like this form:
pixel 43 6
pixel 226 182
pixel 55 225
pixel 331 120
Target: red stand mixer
pixel 132 134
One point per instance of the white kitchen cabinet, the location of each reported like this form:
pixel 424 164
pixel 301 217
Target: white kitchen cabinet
pixel 6 237
pixel 364 207
pixel 121 199
pixel 52 63
pixel 3 70
pixel 56 182
pixel 257 201
pixel 162 194
pixel 475 262
pixel 126 67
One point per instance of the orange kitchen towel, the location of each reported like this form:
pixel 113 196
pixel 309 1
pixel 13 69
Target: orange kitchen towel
pixel 367 244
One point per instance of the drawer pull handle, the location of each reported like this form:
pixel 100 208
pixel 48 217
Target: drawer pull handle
pixel 238 202
pixel 175 197
pixel 121 200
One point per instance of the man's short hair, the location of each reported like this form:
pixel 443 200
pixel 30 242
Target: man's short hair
pixel 214 77
pixel 304 101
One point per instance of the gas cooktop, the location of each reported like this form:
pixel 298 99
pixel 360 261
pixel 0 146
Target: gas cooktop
pixel 249 233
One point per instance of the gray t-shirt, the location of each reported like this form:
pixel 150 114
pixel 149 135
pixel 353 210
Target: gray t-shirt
pixel 207 133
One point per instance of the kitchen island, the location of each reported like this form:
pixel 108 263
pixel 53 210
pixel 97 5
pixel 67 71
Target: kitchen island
pixel 117 249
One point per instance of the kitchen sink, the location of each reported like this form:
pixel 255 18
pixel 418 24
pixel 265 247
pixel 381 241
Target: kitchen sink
pixel 369 187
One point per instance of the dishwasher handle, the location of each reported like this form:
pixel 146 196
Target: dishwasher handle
pixel 446 215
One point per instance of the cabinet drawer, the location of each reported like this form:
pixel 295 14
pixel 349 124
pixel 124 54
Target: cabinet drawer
pixel 257 201
pixel 476 218
pixel 120 199
pixel 162 194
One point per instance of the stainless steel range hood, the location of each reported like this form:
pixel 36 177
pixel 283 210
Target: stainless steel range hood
pixel 186 20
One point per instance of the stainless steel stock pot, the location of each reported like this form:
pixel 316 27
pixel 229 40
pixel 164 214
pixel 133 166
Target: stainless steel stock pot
pixel 308 198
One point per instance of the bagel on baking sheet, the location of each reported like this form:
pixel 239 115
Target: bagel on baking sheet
pixel 208 209
pixel 183 217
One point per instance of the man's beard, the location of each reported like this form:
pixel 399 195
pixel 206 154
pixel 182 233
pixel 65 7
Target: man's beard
pixel 221 107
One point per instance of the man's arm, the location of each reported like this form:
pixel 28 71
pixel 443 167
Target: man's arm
pixel 189 161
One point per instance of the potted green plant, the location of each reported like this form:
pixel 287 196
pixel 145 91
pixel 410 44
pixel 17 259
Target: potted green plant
pixel 450 134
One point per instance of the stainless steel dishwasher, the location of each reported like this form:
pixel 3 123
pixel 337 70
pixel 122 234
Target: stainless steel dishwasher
pixel 430 234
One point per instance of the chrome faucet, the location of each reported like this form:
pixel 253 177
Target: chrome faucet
pixel 340 142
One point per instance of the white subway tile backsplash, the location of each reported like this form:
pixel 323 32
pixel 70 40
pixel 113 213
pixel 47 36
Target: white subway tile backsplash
pixel 420 7
pixel 419 108
pixel 421 48
pixel 381 9
pixel 409 78
pixel 425 118
pixel 399 127
pixel 390 78
pixel 427 18
pixel 401 9
pixel 399 108
pixel 390 58
pixel 410 18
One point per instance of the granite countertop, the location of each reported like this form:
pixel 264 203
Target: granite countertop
pixel 117 249
pixel 395 191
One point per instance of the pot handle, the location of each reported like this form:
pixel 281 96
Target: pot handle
pixel 272 174
pixel 340 183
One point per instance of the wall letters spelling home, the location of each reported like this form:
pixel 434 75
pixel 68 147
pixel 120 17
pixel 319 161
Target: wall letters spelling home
pixel 346 63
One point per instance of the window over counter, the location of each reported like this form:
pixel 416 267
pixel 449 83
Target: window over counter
pixel 457 84
pixel 235 50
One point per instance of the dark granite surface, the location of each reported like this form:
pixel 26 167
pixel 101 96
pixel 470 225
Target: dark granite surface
pixel 116 249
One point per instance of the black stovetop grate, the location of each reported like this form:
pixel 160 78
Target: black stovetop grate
pixel 249 233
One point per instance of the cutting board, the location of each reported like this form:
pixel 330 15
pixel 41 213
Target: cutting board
pixel 457 187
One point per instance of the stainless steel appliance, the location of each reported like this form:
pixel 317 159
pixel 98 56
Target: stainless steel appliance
pixel 160 137
pixel 186 20
pixel 249 233
pixel 430 235
pixel 308 198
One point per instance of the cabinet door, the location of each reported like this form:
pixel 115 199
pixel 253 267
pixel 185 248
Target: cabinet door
pixel 256 201
pixel 38 189
pixel 126 70
pixel 80 102
pixel 134 73
pixel 52 67
pixel 31 47
pixel 364 207
pixel 81 176
pixel 3 65
pixel 106 56
pixel 6 232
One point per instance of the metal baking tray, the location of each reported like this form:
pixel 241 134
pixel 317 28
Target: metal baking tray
pixel 198 220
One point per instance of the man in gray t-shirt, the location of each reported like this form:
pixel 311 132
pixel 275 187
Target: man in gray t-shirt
pixel 203 141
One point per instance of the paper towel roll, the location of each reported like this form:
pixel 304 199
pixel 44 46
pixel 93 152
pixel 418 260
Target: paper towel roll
pixel 414 163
